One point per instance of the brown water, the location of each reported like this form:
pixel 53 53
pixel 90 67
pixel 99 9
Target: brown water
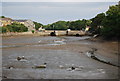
pixel 60 54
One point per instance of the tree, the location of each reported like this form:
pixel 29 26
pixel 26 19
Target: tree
pixel 2 17
pixel 111 24
pixel 97 23
pixel 59 25
pixel 88 22
pixel 78 24
pixel 23 28
pixel 37 25
pixel 48 27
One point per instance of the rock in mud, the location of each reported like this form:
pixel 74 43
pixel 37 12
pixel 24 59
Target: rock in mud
pixel 74 68
pixel 20 58
pixel 61 66
pixel 41 66
pixel 10 67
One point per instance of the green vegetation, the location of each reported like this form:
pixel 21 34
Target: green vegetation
pixel 63 25
pixel 79 24
pixel 14 27
pixel 105 24
pixel 33 31
pixel 60 25
pixel 111 23
pixel 2 16
pixel 37 25
pixel 3 29
pixel 97 23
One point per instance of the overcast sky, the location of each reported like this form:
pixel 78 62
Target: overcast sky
pixel 49 12
pixel 59 0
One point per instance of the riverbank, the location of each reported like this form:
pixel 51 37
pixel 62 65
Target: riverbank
pixel 46 33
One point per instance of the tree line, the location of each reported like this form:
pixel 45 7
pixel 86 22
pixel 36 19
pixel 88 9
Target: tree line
pixel 63 25
pixel 105 24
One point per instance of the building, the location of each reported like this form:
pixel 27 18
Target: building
pixel 87 28
pixel 41 29
pixel 5 21
pixel 28 23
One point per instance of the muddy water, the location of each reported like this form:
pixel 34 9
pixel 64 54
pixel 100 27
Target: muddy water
pixel 59 54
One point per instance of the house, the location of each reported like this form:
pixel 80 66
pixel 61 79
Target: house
pixel 41 29
pixel 5 21
pixel 87 28
pixel 28 23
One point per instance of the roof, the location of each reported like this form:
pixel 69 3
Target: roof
pixel 6 19
pixel 20 20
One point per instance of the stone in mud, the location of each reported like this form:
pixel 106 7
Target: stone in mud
pixel 20 58
pixel 78 69
pixel 23 57
pixel 41 66
pixel 91 54
pixel 10 67
pixel 61 66
pixel 93 57
pixel 73 68
pixel 95 36
pixel 69 69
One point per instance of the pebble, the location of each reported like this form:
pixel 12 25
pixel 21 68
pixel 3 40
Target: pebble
pixel 61 66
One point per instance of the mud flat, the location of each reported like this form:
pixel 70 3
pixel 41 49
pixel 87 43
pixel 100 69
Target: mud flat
pixel 63 57
pixel 46 33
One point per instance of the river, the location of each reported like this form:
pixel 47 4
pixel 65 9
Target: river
pixel 63 57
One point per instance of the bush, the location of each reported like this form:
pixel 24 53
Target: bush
pixel 33 31
pixel 3 30
pixel 15 27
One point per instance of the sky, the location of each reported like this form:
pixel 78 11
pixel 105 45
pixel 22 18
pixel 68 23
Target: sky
pixel 59 0
pixel 49 12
